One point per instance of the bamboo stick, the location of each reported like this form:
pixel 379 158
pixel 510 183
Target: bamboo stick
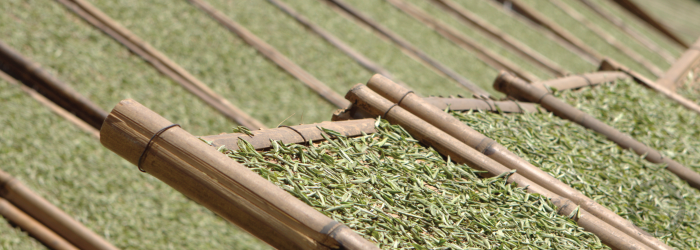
pixel 31 74
pixel 273 54
pixel 582 80
pixel 609 64
pixel 539 19
pixel 514 86
pixel 52 106
pixel 34 228
pixel 499 36
pixel 467 135
pixel 619 46
pixel 408 48
pixel 631 7
pixel 159 61
pixel 688 62
pixel 459 152
pixel 260 139
pixel 484 54
pixel 50 215
pixel 227 188
pixel 636 35
pixel 464 104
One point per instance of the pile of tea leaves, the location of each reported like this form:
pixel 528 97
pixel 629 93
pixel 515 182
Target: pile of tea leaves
pixel 644 193
pixel 400 194
pixel 690 88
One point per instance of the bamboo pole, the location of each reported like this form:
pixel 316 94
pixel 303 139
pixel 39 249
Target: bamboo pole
pixel 498 153
pixel 484 54
pixel 50 215
pixel 636 35
pixel 52 106
pixel 539 19
pixel 619 46
pixel 34 228
pixel 464 104
pixel 582 80
pixel 459 152
pixel 514 86
pixel 505 40
pixel 261 139
pixel 31 74
pixel 159 61
pixel 609 64
pixel 631 7
pixel 273 54
pixel 408 48
pixel 688 62
pixel 219 183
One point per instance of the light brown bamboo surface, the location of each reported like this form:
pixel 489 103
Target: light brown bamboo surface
pixel 505 40
pixel 464 104
pixel 541 20
pixel 34 228
pixel 407 47
pixel 688 62
pixel 640 13
pixel 582 80
pixel 619 46
pixel 273 54
pixel 31 74
pixel 52 106
pixel 490 148
pixel 50 215
pixel 484 54
pixel 261 139
pixel 219 183
pixel 632 32
pixel 513 86
pixel 160 62
pixel 447 145
pixel 609 64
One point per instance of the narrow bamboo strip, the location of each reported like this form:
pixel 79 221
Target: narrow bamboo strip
pixel 484 54
pixel 219 183
pixel 679 70
pixel 464 104
pixel 501 37
pixel 31 74
pixel 159 61
pixel 514 86
pixel 490 148
pixel 273 54
pixel 459 152
pixel 636 35
pixel 582 80
pixel 260 139
pixel 539 19
pixel 52 106
pixel 631 7
pixel 609 64
pixel 50 215
pixel 34 228
pixel 619 46
pixel 408 48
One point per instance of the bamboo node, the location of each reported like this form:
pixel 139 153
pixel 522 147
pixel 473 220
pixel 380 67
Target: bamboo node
pixel 150 142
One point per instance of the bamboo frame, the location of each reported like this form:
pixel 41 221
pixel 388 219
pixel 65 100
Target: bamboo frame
pixel 632 8
pixel 31 74
pixel 689 61
pixel 159 61
pixel 50 215
pixel 34 228
pixel 582 80
pixel 464 104
pixel 219 183
pixel 516 87
pixel 373 103
pixel 484 54
pixel 472 20
pixel 498 153
pixel 407 47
